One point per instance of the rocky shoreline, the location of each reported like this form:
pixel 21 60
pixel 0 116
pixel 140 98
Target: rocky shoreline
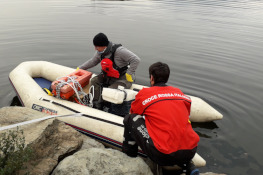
pixel 60 149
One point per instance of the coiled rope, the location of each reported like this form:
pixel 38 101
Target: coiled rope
pixel 87 98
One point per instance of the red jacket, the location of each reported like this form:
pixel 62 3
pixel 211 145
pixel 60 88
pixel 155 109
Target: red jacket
pixel 166 110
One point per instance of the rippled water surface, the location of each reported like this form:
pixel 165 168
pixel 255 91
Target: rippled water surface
pixel 214 50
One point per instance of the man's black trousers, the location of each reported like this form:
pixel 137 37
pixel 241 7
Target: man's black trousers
pixel 136 134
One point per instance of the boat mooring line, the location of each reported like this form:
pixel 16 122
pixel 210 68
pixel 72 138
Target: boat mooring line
pixel 37 120
pixel 85 115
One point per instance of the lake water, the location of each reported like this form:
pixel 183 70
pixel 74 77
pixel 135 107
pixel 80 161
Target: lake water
pixel 214 50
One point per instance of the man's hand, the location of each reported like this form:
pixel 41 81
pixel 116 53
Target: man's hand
pixel 129 77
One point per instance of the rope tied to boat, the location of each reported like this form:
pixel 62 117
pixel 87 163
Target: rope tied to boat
pixel 38 120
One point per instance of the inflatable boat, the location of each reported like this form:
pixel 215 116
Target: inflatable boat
pixel 30 78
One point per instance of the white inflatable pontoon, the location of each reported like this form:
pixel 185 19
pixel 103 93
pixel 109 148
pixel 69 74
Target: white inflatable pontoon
pixel 101 125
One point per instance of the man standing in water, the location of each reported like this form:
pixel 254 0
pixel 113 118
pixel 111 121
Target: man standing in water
pixel 159 123
pixel 118 66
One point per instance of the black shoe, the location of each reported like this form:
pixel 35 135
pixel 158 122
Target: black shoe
pixel 191 169
pixel 130 150
pixel 195 172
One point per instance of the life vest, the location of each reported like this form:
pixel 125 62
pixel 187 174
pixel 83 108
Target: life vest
pixel 108 66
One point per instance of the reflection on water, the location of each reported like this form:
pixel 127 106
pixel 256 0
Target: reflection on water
pixel 212 47
pixel 206 125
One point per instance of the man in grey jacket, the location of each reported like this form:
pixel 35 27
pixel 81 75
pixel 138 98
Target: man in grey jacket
pixel 118 66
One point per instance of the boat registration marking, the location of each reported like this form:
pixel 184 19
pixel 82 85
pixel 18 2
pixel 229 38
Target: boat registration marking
pixel 44 109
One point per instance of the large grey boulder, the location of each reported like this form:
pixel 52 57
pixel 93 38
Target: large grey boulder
pixel 51 140
pixel 16 114
pixel 56 142
pixel 96 161
pixel 91 143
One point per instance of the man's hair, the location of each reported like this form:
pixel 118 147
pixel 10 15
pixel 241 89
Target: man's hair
pixel 160 72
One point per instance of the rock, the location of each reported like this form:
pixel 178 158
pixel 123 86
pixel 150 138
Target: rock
pixel 91 143
pixel 13 115
pixel 95 161
pixel 56 142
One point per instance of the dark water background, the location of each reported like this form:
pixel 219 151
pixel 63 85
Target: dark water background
pixel 213 47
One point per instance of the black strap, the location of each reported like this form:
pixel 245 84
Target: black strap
pixel 113 50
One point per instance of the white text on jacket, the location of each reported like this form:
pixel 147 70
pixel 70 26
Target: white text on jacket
pixel 158 96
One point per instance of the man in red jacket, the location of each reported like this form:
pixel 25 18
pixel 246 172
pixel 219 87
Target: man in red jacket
pixel 159 123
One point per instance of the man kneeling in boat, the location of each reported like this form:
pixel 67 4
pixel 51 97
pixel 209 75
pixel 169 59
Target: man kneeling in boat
pixel 159 123
pixel 118 66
